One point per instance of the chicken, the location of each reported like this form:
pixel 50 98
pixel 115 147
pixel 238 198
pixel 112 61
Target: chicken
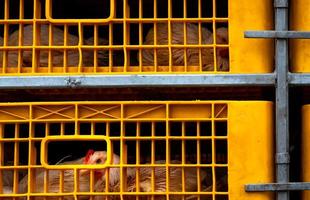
pixel 7 190
pixel 58 55
pixel 100 157
pixel 54 180
pixel 7 177
pixel 222 58
pixel 102 55
pixel 145 179
pixel 177 38
pixel 6 182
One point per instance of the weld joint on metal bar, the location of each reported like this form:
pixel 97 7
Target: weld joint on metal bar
pixel 282 158
pixel 281 3
pixel 73 82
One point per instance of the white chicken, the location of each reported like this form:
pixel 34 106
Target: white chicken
pixel 53 183
pixel 7 181
pixel 58 55
pixel 222 53
pixel 192 54
pixel 145 179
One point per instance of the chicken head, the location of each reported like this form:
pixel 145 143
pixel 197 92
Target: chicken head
pixel 100 157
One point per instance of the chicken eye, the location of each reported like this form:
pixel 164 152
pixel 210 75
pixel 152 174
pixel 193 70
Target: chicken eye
pixel 98 161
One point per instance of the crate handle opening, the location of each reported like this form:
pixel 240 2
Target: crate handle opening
pixel 79 165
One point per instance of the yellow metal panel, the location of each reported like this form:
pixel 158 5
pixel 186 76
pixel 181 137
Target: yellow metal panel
pixel 250 55
pixel 305 157
pixel 300 48
pixel 250 148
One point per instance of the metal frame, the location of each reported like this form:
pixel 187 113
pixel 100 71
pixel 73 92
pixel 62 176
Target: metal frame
pixel 283 80
pixel 282 98
pixel 119 81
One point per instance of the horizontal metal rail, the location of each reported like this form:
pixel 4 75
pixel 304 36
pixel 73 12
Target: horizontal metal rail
pixel 118 81
pixel 278 34
pixel 107 81
pixel 277 187
pixel 299 79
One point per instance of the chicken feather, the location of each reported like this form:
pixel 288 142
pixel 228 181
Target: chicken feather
pixel 54 180
pixel 145 179
pixel 178 54
pixel 58 55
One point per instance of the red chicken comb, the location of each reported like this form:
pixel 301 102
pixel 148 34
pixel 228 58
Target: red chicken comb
pixel 89 153
pixel 98 175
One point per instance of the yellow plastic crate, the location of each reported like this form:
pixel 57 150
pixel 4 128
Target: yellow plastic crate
pixel 209 149
pixel 50 37
pixel 305 148
pixel 299 48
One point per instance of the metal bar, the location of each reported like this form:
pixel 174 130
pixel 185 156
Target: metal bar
pixel 280 3
pixel 296 79
pixel 136 80
pixel 277 187
pixel 282 98
pixel 107 81
pixel 278 34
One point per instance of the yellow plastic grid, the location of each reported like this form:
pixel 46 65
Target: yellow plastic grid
pixel 208 149
pixel 123 42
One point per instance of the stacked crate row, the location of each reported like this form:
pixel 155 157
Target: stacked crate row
pixel 123 40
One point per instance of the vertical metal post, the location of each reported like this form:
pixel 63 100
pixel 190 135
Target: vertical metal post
pixel 282 115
